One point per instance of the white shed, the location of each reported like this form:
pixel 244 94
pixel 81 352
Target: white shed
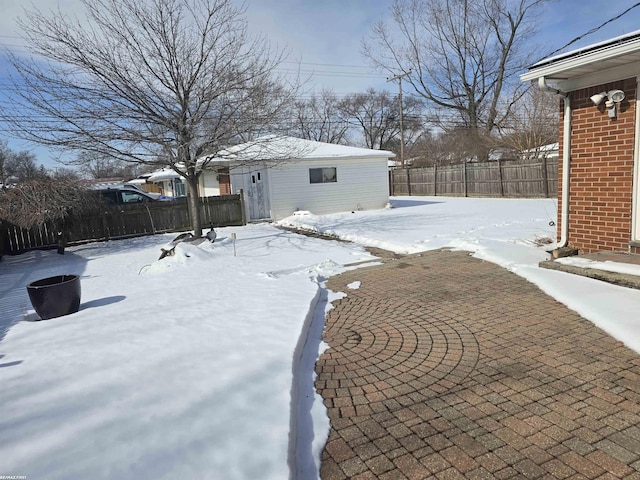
pixel 281 175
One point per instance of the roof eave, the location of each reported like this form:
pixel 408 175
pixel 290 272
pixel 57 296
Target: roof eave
pixel 554 69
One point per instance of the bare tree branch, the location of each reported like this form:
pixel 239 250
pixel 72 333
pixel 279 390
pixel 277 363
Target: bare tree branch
pixel 535 125
pixel 36 202
pixel 157 82
pixel 463 55
pixel 320 118
pixel 375 115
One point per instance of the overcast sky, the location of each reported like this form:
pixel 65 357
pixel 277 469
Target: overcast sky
pixel 325 35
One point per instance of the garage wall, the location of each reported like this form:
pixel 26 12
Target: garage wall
pixel 363 184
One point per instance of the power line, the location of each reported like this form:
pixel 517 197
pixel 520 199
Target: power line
pixel 593 30
pixel 340 65
pixel 331 73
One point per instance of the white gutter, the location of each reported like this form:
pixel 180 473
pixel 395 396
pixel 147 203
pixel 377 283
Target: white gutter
pixel 589 55
pixel 566 165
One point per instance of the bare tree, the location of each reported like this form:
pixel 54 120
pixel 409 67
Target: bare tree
pixel 147 82
pixel 23 167
pixel 65 174
pixel 5 163
pixel 450 147
pixel 16 167
pixel 534 125
pixel 320 118
pixel 96 166
pixel 35 202
pixel 375 114
pixel 463 56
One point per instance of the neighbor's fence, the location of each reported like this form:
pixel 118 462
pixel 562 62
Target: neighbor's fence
pixel 123 221
pixel 512 178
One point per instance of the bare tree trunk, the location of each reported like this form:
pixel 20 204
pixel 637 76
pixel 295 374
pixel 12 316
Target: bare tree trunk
pixel 193 202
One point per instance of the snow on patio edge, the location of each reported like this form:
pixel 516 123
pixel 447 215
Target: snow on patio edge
pixel 504 231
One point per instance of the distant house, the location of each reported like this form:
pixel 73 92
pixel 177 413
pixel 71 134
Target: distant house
pixel 549 152
pixel 599 158
pixel 170 182
pixel 280 175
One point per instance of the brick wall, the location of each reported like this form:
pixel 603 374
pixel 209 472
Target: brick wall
pixel 601 184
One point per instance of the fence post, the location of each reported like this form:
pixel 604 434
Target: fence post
pixel 242 210
pixel 105 225
pixel 545 179
pixel 464 177
pixel 200 205
pixel 500 176
pixel 4 239
pixel 435 180
pixel 408 182
pixel 205 209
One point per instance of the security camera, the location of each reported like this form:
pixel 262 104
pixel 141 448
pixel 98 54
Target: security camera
pixel 598 98
pixel 616 95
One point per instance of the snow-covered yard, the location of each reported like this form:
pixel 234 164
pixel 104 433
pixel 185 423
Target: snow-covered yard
pixel 200 365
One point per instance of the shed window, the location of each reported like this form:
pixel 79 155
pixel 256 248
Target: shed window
pixel 323 175
pixel 179 189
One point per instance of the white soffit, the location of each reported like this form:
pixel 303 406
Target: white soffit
pixel 613 60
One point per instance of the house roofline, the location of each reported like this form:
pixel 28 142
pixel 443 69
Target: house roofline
pixel 553 67
pixel 589 48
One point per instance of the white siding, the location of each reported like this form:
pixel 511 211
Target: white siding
pixel 209 186
pixel 363 184
pixel 167 187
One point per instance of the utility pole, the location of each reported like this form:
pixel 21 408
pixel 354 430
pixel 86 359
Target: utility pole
pixel 399 78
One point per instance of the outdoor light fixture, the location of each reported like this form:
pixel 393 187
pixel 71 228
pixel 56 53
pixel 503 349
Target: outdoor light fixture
pixel 598 97
pixel 614 97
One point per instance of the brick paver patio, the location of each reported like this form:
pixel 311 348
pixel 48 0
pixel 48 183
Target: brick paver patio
pixel 444 366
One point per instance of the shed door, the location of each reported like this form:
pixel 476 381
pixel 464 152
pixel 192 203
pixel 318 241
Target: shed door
pixel 258 195
pixel 224 181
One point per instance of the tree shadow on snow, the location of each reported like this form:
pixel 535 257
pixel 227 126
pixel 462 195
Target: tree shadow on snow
pixel 101 302
pixel 401 203
pixel 10 364
pixel 98 302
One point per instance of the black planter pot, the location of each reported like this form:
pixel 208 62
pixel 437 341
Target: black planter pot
pixel 55 296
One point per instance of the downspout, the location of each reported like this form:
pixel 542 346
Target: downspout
pixel 636 173
pixel 566 165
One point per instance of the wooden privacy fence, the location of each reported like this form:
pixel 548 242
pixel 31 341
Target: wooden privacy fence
pixel 123 221
pixel 507 178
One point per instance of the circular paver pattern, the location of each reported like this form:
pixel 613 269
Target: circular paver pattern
pixel 444 366
pixel 381 353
